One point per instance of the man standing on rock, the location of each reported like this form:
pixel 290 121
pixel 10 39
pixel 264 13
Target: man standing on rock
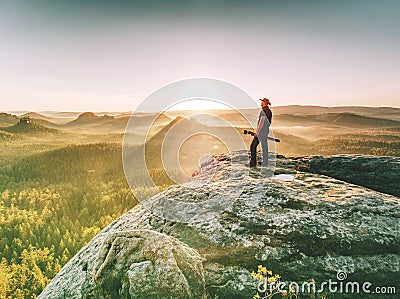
pixel 261 134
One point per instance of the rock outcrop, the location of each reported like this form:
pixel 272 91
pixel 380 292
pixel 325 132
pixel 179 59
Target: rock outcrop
pixel 131 264
pixel 378 173
pixel 142 263
pixel 308 227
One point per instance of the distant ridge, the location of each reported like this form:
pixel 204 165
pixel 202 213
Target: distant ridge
pixel 41 119
pixel 310 109
pixel 91 122
pixel 158 138
pixel 90 117
pixel 26 128
pixel 35 115
pixel 7 119
pixel 348 118
pixel 337 119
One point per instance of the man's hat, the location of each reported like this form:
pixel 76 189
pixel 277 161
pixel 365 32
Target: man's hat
pixel 265 100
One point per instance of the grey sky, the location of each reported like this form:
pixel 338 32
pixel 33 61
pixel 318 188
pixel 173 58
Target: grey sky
pixel 108 55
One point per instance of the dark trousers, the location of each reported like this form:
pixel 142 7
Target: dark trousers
pixel 253 150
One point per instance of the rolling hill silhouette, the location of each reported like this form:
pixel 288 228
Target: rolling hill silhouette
pixel 93 123
pixel 154 144
pixel 41 119
pixel 355 120
pixel 7 119
pixel 310 110
pixel 24 128
pixel 90 118
pixel 36 115
pixel 336 119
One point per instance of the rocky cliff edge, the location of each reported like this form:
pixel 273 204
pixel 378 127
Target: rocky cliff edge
pixel 301 225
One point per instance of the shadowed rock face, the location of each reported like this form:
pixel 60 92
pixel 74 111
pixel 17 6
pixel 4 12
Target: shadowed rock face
pixel 131 264
pixel 307 228
pixel 378 173
pixel 143 264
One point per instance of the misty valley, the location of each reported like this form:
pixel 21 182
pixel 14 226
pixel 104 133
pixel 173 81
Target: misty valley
pixel 62 178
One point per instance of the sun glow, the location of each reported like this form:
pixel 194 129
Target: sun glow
pixel 199 104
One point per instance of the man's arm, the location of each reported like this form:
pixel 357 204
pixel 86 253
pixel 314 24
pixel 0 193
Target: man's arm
pixel 260 125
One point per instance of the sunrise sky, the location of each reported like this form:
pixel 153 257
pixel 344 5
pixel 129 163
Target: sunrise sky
pixel 108 55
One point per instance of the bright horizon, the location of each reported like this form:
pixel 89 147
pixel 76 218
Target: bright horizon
pixel 108 56
pixel 116 112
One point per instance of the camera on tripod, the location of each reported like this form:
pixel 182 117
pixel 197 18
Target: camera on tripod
pixel 247 132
